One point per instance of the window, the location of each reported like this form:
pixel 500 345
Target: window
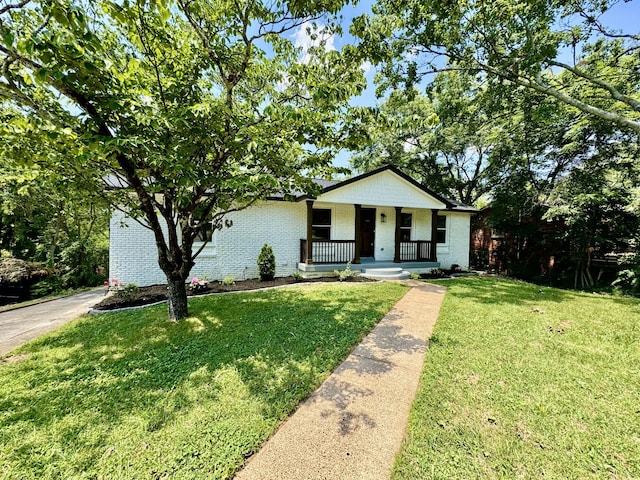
pixel 205 234
pixel 441 234
pixel 321 224
pixel 405 226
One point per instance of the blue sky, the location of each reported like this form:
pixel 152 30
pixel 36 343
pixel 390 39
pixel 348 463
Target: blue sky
pixel 624 16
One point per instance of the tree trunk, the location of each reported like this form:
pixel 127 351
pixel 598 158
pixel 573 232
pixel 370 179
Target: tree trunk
pixel 178 308
pixel 51 257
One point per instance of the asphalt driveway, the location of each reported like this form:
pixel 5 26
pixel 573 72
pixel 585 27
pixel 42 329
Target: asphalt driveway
pixel 23 324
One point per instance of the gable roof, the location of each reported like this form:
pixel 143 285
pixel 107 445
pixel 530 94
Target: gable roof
pixel 116 182
pixel 332 185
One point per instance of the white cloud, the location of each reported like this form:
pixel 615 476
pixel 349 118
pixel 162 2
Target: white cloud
pixel 308 36
pixel 366 67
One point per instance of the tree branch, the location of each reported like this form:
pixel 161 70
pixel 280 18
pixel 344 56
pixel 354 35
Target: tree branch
pixel 83 102
pixel 605 85
pixel 592 21
pixel 14 6
pixel 540 86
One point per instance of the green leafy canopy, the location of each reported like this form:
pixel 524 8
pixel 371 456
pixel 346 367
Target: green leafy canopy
pixel 197 107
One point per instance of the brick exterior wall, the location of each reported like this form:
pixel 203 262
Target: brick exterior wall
pixel 133 257
pixel 232 253
pixel 456 249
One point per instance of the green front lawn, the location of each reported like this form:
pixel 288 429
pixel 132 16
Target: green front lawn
pixel 520 383
pixel 130 395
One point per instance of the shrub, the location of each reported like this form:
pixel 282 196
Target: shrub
pixel 128 292
pixel 13 270
pixel 47 286
pixel 628 280
pixel 414 276
pixel 80 262
pixel 345 274
pixel 266 263
pixel 296 276
pixel 228 281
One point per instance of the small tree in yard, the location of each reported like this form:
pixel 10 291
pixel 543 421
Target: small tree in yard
pixel 266 263
pixel 196 108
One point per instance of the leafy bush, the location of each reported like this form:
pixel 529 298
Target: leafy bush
pixel 80 262
pixel 296 276
pixel 47 286
pixel 228 281
pixel 13 270
pixel 414 276
pixel 628 280
pixel 128 292
pixel 266 263
pixel 345 274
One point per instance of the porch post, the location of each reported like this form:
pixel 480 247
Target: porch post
pixel 309 232
pixel 434 234
pixel 396 256
pixel 358 234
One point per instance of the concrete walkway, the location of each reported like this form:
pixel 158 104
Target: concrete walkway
pixel 23 324
pixel 353 425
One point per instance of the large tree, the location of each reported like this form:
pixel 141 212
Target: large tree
pixel 47 212
pixel 444 138
pixel 194 107
pixel 522 43
pixel 574 170
pixel 571 82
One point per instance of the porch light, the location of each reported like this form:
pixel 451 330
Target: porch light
pixel 383 218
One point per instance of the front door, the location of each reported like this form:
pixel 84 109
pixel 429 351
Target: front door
pixel 367 231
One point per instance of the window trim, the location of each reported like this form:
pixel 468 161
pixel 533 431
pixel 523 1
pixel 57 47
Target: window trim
pixel 407 229
pixel 443 229
pixel 212 232
pixel 211 247
pixel 328 226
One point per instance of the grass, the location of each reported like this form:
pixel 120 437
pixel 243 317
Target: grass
pixel 130 395
pixel 522 383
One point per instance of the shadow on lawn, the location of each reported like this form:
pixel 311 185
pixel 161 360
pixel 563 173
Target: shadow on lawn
pixel 124 364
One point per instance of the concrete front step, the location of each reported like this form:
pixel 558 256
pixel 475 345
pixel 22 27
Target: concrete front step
pixel 386 273
pixel 382 271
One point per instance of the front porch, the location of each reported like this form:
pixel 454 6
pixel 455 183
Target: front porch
pixel 339 234
pixel 321 269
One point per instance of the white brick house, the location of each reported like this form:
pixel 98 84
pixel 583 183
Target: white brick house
pixel 382 217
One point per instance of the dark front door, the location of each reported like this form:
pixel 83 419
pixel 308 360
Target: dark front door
pixel 367 231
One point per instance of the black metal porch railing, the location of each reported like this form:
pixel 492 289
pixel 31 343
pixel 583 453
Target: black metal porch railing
pixel 343 251
pixel 329 251
pixel 416 251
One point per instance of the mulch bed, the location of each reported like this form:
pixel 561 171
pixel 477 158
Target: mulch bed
pixel 158 293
